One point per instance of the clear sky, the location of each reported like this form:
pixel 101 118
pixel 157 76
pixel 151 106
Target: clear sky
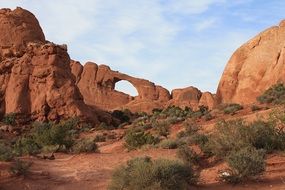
pixel 174 43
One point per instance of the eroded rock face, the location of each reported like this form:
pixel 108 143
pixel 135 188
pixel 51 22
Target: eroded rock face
pixel 36 78
pixel 17 29
pixel 97 85
pixel 192 97
pixel 254 67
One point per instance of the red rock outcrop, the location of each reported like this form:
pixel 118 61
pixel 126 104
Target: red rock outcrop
pixel 254 67
pixel 38 79
pixel 192 97
pixel 35 76
pixel 97 85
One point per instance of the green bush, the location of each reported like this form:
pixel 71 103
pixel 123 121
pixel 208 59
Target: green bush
pixel 148 174
pixel 50 134
pixel 203 142
pixel 136 139
pixel 104 126
pixel 169 144
pixel 26 145
pixel 191 127
pixel 187 155
pixel 53 134
pixel 6 152
pixel 229 136
pixel 20 167
pixel 244 164
pixel 9 119
pixel 232 108
pixel 123 116
pixel 162 128
pixel 87 145
pixel 275 94
pixel 265 135
pixel 100 138
pixel 234 135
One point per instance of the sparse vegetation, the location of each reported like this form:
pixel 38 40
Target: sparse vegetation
pixel 136 139
pixel 275 95
pixel 145 173
pixel 162 128
pixel 6 152
pixel 104 126
pixel 100 138
pixel 9 119
pixel 123 116
pixel 169 144
pixel 232 108
pixel 86 145
pixel 187 155
pixel 26 145
pixel 20 167
pixel 244 164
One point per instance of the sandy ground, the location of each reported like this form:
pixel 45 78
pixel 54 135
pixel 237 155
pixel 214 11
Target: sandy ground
pixel 93 171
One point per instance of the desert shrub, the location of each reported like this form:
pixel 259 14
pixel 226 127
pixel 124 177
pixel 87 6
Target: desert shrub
pixel 255 108
pixel 147 174
pixel 169 144
pixel 20 167
pixel 265 135
pixel 203 142
pixel 6 152
pixel 156 111
pixel 9 119
pixel 46 134
pixel 136 139
pixel 162 128
pixel 87 145
pixel 187 155
pixel 203 109
pixel 100 138
pixel 191 127
pixel 275 94
pixel 123 116
pixel 229 136
pixel 236 134
pixel 104 126
pixel 245 163
pixel 232 108
pixel 26 145
pixel 176 112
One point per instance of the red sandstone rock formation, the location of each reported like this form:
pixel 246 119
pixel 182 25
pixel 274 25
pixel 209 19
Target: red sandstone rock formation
pixel 35 75
pixel 97 85
pixel 254 67
pixel 38 79
pixel 192 97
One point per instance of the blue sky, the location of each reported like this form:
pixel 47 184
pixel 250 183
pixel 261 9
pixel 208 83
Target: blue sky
pixel 174 43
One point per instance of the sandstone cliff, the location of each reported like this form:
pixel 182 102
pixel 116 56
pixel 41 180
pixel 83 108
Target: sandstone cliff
pixel 254 67
pixel 35 75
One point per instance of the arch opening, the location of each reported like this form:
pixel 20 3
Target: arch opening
pixel 126 87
